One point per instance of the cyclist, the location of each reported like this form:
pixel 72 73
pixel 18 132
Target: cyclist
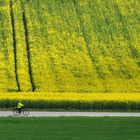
pixel 20 106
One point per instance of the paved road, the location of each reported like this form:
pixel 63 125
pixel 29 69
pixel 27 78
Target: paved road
pixel 59 114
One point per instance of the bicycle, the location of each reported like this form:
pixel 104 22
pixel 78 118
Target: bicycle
pixel 24 111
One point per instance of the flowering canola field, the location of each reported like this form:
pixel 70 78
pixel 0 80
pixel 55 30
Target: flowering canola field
pixel 70 46
pixel 98 101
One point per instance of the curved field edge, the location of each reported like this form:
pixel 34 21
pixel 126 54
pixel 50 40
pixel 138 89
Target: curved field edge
pixel 97 101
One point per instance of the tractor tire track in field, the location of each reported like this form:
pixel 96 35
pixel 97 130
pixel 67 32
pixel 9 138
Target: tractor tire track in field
pixel 14 45
pixel 99 72
pixel 126 33
pixel 52 60
pixel 27 46
pixel 118 57
pixel 93 59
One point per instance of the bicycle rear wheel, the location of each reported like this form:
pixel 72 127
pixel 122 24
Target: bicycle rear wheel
pixel 15 112
pixel 25 112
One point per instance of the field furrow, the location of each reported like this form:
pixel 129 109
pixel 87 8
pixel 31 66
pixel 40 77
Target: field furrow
pixel 21 51
pixel 27 46
pixel 14 44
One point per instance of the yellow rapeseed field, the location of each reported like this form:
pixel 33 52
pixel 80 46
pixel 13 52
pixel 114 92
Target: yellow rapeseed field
pixel 70 46
pixel 89 97
pixel 72 100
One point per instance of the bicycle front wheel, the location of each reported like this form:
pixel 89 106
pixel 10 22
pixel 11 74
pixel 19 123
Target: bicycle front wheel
pixel 15 112
pixel 25 112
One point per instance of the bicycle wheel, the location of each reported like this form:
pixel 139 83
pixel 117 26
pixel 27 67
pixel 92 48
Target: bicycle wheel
pixel 25 112
pixel 15 112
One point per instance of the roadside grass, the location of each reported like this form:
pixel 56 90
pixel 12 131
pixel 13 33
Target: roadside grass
pixel 70 128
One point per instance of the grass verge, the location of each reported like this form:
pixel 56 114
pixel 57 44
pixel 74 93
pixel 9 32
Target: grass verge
pixel 70 128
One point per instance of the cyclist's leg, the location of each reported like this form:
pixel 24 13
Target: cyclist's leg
pixel 19 110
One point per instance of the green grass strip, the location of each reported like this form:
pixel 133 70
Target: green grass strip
pixel 70 128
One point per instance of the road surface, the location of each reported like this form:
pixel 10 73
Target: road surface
pixel 73 114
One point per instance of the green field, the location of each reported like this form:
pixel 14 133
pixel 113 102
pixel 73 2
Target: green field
pixel 70 128
pixel 70 46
